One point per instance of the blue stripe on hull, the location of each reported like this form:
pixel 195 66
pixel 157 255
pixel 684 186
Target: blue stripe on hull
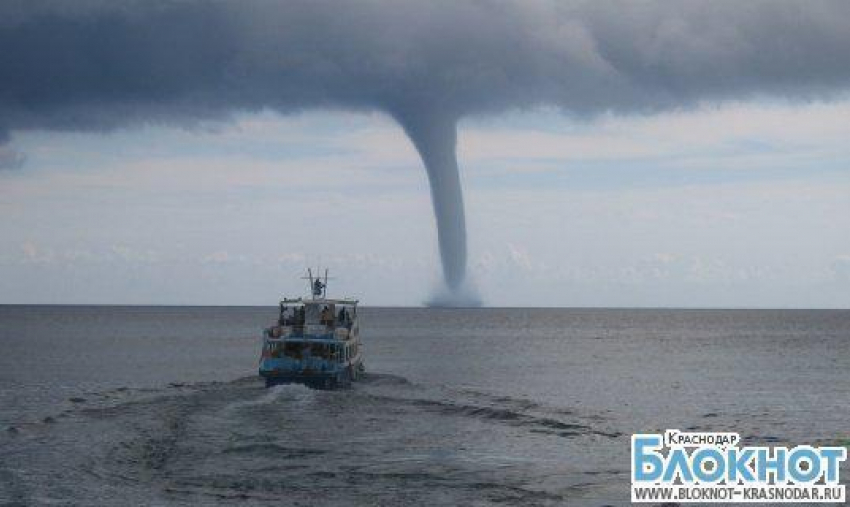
pixel 318 380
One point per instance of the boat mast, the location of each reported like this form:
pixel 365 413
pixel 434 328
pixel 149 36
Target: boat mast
pixel 318 288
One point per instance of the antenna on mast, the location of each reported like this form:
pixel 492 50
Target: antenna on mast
pixel 325 293
pixel 318 288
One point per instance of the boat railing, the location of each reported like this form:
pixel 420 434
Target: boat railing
pixel 310 330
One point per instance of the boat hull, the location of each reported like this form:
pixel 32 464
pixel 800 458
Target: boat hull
pixel 315 380
pixel 324 381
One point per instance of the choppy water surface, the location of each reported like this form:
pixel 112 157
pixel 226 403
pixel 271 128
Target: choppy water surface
pixel 107 406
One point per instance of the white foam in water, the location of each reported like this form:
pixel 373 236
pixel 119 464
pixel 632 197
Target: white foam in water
pixel 276 394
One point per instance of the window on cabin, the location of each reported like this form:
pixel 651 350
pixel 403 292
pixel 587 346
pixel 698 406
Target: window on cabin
pixel 293 350
pixel 320 350
pixel 313 313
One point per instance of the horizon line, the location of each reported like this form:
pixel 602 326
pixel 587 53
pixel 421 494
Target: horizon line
pixel 481 307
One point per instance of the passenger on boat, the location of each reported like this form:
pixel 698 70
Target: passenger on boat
pixel 327 317
pixel 287 317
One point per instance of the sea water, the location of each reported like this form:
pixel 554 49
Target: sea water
pixel 162 405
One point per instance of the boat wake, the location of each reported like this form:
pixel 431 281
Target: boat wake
pixel 386 440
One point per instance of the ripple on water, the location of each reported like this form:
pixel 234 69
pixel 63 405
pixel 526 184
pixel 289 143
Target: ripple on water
pixel 385 437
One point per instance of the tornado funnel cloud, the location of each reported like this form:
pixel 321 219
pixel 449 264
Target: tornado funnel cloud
pixel 435 138
pixel 97 66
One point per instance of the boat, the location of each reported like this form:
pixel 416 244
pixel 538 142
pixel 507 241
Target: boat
pixel 315 342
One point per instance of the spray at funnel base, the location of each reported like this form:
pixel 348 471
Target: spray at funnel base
pixel 435 138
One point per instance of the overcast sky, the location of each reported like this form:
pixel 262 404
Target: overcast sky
pixel 687 153
pixel 742 205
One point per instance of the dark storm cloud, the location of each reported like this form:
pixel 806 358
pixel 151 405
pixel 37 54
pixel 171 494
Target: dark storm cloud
pixel 99 65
